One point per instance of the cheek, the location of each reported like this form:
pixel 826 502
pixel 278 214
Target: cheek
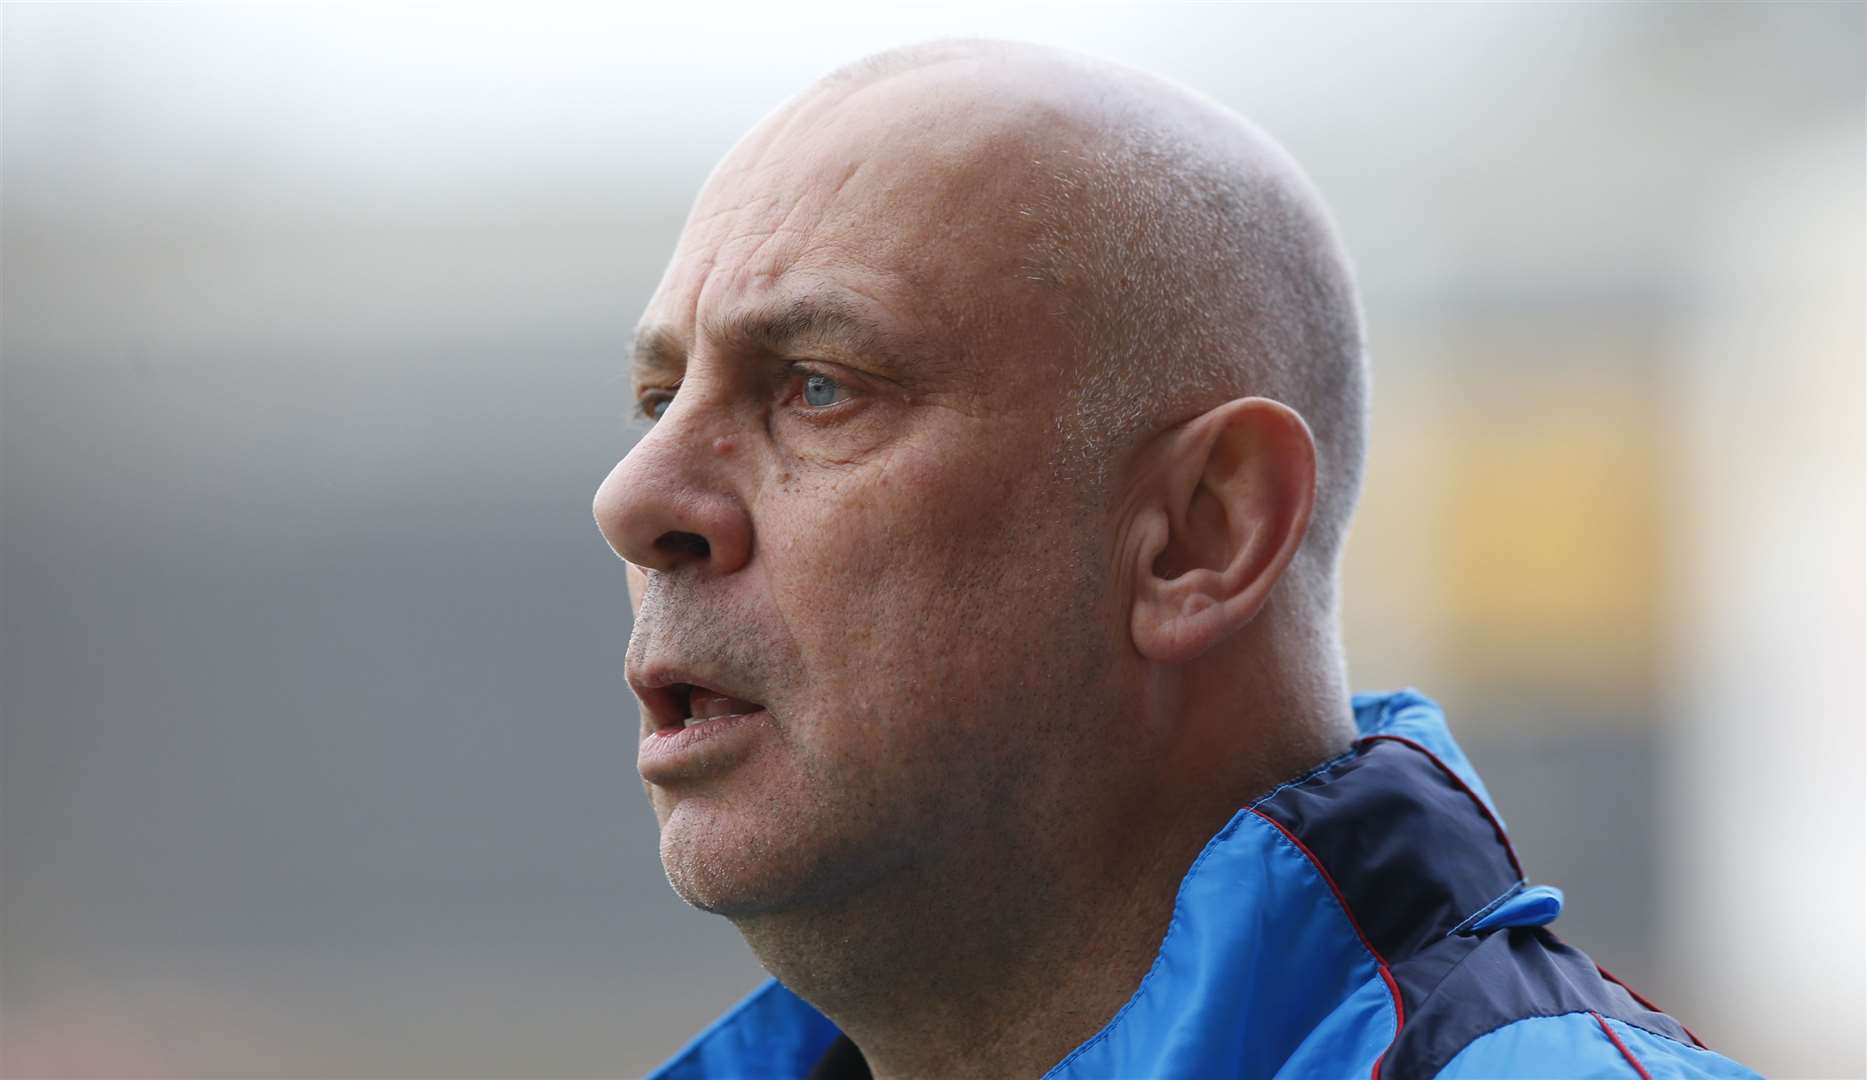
pixel 900 585
pixel 860 543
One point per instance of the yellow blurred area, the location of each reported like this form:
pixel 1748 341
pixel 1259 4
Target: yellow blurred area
pixel 1551 563
pixel 1534 503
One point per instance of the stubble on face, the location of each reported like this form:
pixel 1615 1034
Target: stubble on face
pixel 907 675
pixel 925 612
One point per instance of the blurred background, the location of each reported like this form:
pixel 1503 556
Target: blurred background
pixel 317 756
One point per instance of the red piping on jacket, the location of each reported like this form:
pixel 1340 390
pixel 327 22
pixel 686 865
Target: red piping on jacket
pixel 1648 1005
pixel 1621 1046
pixel 1393 988
pixel 1496 826
pixel 1504 838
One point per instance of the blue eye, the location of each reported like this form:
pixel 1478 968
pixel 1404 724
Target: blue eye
pixel 654 403
pixel 821 391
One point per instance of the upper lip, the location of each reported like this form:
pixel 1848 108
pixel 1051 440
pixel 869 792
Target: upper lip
pixel 664 690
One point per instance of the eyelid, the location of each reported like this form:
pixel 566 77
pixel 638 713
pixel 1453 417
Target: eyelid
pixel 797 371
pixel 847 374
pixel 645 394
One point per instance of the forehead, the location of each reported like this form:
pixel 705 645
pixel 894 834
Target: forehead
pixel 891 198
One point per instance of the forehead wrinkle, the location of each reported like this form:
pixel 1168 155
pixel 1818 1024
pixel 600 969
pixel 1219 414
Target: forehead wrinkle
pixel 826 319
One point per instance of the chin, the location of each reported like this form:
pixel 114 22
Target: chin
pixel 765 860
pixel 710 896
pixel 724 866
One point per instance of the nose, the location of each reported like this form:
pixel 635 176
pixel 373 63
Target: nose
pixel 669 504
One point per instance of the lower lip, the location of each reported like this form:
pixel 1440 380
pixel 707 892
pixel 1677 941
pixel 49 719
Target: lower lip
pixel 670 754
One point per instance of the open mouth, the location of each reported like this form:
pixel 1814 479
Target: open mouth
pixel 680 706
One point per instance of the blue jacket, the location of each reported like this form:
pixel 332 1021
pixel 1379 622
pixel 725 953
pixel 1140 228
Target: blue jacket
pixel 1369 919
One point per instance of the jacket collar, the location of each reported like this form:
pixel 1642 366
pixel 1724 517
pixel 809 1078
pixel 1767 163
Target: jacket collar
pixel 1263 960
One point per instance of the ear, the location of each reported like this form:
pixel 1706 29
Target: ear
pixel 1228 501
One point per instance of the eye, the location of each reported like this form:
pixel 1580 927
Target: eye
pixel 652 403
pixel 821 391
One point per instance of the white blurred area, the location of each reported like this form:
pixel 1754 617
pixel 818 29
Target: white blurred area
pixel 317 759
pixel 1768 656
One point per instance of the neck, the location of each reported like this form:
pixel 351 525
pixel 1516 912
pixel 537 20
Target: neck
pixel 988 966
pixel 1005 952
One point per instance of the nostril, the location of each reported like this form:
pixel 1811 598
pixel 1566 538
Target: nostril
pixel 683 543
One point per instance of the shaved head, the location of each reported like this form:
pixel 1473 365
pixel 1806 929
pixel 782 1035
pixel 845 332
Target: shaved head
pixel 1007 413
pixel 1183 254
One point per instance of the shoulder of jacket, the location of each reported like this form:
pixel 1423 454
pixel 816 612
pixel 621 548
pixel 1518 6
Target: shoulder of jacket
pixel 1586 1044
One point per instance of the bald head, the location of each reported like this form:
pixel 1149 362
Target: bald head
pixel 1008 409
pixel 1182 256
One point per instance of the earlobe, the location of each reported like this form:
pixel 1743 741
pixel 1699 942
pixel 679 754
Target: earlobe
pixel 1232 501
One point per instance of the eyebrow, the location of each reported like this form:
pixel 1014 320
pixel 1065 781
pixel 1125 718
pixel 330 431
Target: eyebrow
pixel 787 326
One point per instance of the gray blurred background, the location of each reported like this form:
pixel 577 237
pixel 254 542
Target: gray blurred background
pixel 317 759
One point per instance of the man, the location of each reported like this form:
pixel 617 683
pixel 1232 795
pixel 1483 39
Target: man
pixel 1008 413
